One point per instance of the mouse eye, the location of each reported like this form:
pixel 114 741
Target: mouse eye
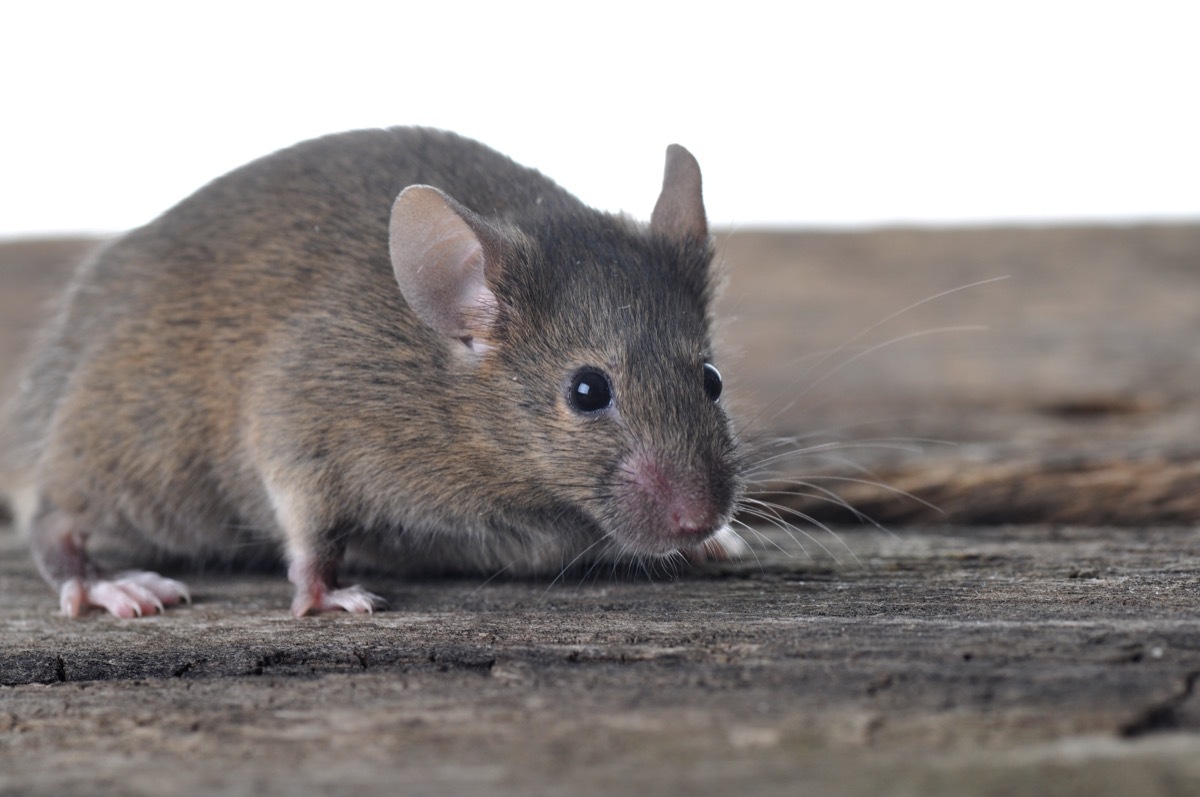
pixel 590 391
pixel 712 382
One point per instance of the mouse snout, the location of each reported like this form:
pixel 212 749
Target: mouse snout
pixel 673 507
pixel 691 517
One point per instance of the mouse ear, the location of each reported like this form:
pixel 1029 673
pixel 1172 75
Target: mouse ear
pixel 440 260
pixel 679 211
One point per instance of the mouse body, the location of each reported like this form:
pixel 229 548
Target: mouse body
pixel 397 341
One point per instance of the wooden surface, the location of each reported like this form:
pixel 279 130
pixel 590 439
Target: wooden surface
pixel 1036 632
pixel 1066 389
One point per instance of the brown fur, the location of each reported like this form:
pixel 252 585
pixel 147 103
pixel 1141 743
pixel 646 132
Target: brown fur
pixel 244 371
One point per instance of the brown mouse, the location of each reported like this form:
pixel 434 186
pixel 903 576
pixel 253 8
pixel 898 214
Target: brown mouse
pixel 397 341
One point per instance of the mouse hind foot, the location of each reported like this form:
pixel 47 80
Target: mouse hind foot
pixel 131 594
pixel 59 551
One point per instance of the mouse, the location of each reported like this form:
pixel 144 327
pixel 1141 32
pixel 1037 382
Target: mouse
pixel 393 342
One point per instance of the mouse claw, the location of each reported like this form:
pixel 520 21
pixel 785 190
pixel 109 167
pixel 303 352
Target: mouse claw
pixel 355 600
pixel 132 594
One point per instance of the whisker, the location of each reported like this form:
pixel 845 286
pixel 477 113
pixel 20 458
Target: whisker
pixel 768 512
pixel 753 531
pixel 779 524
pixel 493 577
pixel 610 556
pixel 862 353
pixel 567 567
pixel 830 497
pixel 819 451
pixel 871 350
pixel 775 510
pixel 882 486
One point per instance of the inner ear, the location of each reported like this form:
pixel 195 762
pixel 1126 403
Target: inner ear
pixel 440 263
pixel 679 211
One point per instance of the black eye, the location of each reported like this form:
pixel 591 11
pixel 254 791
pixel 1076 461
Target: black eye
pixel 590 391
pixel 712 382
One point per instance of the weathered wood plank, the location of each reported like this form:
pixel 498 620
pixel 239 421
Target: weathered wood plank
pixel 1038 657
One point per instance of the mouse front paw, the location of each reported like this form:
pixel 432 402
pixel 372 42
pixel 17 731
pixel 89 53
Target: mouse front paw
pixel 131 594
pixel 317 590
pixel 318 598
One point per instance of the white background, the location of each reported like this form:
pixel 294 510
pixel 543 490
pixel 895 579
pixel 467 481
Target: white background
pixel 819 113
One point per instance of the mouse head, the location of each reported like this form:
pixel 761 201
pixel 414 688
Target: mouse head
pixel 591 334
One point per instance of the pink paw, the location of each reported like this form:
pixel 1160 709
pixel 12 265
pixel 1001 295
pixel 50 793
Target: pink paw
pixel 131 594
pixel 317 598
pixel 723 546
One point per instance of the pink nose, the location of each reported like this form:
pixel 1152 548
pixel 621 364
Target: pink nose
pixel 679 502
pixel 693 519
